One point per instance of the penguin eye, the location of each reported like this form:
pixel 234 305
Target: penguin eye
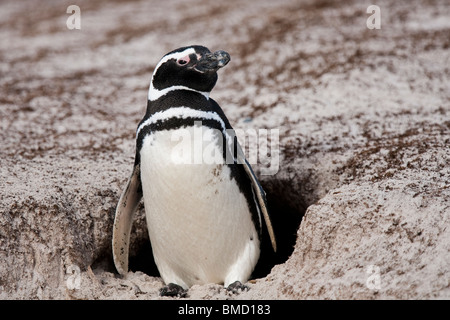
pixel 183 61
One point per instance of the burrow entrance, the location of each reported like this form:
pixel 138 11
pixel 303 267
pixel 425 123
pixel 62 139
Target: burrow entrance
pixel 286 208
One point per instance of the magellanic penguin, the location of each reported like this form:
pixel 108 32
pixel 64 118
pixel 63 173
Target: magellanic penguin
pixel 203 216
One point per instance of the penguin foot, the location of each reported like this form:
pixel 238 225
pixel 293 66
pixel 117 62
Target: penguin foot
pixel 173 290
pixel 237 287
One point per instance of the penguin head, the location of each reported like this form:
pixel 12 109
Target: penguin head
pixel 191 68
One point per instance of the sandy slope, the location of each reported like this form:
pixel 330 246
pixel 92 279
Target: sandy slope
pixel 364 128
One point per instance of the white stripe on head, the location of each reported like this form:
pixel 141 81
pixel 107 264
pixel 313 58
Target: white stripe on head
pixel 153 93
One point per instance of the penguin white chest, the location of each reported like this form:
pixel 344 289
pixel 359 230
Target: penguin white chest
pixel 199 222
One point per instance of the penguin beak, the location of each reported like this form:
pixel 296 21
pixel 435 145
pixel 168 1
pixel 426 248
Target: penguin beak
pixel 212 62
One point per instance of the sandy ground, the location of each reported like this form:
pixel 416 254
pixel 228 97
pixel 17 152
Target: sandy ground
pixel 361 201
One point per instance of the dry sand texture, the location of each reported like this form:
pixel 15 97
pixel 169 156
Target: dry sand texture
pixel 361 203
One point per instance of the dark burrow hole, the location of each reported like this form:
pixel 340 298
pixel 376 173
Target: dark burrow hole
pixel 286 207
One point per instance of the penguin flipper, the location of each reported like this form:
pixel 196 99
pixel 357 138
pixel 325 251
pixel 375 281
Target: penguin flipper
pixel 260 193
pixel 128 203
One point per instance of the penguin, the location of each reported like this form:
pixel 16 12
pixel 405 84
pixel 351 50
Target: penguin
pixel 203 202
